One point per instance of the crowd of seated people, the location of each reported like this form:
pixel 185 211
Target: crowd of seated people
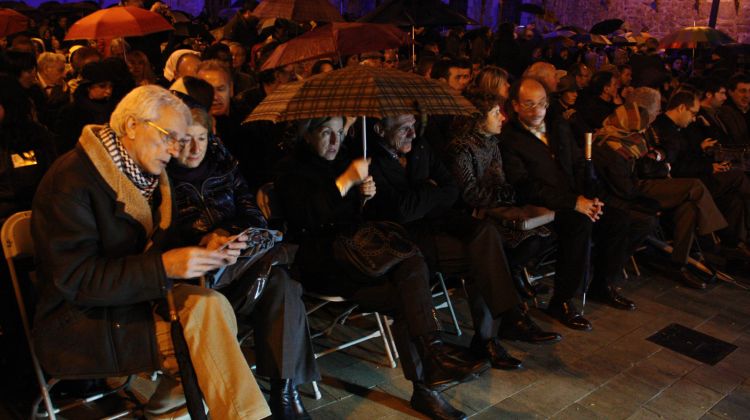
pixel 142 177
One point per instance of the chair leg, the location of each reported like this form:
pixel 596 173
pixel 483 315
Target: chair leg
pixel 386 345
pixel 635 266
pixel 390 336
pixel 316 390
pixel 527 275
pixel 449 302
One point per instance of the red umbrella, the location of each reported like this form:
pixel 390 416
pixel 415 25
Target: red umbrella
pixel 118 22
pixel 298 10
pixel 12 22
pixel 336 39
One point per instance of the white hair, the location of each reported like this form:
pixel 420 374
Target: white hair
pixel 144 103
pixel 48 59
pixel 648 98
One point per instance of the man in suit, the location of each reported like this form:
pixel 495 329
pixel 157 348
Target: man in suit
pixel 545 167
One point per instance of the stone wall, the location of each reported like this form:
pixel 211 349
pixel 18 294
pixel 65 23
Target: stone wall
pixel 670 14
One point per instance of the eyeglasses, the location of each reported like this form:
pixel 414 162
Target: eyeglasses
pixel 528 106
pixel 167 137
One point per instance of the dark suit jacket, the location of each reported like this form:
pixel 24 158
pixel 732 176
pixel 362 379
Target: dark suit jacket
pixel 548 176
pixel 737 123
pixel 686 158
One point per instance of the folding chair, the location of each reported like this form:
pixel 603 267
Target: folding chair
pixel 269 206
pixel 17 243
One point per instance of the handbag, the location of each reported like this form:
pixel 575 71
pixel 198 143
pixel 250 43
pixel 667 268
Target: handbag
pixel 522 218
pixel 373 248
pixel 259 242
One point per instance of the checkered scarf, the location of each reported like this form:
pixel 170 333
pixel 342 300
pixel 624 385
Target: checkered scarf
pixel 146 183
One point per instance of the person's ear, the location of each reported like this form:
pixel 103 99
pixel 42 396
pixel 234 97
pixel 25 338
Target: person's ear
pixel 130 124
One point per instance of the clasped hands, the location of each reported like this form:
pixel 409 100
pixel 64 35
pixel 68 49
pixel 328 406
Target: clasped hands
pixel 591 208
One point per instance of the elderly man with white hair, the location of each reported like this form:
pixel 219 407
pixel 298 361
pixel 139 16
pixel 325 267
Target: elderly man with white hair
pixel 101 226
pixel 50 68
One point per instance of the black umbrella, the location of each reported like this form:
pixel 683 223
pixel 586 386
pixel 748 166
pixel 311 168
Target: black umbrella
pixel 417 13
pixel 589 188
pixel 606 27
pixel 531 8
pixel 193 395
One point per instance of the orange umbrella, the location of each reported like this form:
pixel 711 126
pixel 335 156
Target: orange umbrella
pixel 298 10
pixel 336 39
pixel 118 22
pixel 12 22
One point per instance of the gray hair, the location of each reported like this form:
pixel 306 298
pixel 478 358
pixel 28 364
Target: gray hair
pixel 49 58
pixel 648 98
pixel 144 103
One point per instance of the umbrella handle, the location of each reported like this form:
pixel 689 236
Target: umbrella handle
pixel 364 137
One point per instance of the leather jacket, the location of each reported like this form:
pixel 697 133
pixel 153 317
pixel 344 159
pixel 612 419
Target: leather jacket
pixel 213 196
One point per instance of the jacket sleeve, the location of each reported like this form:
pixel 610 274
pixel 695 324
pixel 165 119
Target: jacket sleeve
pixel 685 163
pixel 530 189
pixel 247 212
pixel 67 240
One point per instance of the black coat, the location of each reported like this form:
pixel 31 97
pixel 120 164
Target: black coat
pixel 686 157
pixel 736 122
pixel 213 196
pixel 98 246
pixel 548 176
pixel 74 116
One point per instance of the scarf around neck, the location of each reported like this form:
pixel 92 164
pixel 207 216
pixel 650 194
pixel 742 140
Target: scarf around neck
pixel 146 183
pixel 623 132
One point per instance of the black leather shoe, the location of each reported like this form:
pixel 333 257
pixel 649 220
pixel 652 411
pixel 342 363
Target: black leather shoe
pixel 442 369
pixel 568 314
pixel 432 404
pixel 525 329
pixel 285 401
pixel 496 354
pixel 689 279
pixel 610 296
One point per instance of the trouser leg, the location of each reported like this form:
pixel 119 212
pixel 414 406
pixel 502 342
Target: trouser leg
pixel 210 329
pixel 731 191
pixel 283 349
pixel 404 294
pixel 574 233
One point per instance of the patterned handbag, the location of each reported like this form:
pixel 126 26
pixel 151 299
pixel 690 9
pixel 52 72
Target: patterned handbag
pixel 373 248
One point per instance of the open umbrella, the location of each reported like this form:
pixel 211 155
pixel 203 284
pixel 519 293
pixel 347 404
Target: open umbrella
pixel 120 21
pixel 336 39
pixel 531 8
pixel 12 22
pixel 298 10
pixel 592 39
pixel 695 37
pixel 360 91
pixel 606 27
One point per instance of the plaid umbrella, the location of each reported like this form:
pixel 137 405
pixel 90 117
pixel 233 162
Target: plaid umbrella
pixel 695 37
pixel 298 10
pixel 12 22
pixel 360 91
pixel 115 22
pixel 336 39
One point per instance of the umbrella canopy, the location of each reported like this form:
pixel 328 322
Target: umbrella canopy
pixel 298 10
pixel 592 39
pixel 120 21
pixel 416 13
pixel 531 8
pixel 12 22
pixel 559 33
pixel 606 27
pixel 336 39
pixel 360 91
pixel 695 37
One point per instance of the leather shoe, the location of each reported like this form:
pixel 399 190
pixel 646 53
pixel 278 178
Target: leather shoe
pixel 442 369
pixel 432 404
pixel 689 279
pixel 285 401
pixel 610 296
pixel 524 288
pixel 523 328
pixel 567 313
pixel 493 351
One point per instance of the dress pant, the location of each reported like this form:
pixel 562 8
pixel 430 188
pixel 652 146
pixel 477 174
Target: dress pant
pixel 731 192
pixel 473 248
pixel 575 234
pixel 403 293
pixel 693 208
pixel 210 328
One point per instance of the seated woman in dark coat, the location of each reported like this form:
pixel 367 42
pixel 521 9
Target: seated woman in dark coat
pixel 213 203
pixel 322 194
pixel 474 159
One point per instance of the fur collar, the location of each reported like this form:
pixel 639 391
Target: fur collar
pixel 134 203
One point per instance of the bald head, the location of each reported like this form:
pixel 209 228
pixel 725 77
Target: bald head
pixel 545 73
pixel 529 100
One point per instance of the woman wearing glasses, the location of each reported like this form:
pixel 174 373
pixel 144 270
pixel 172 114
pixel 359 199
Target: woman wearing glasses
pixel 214 203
